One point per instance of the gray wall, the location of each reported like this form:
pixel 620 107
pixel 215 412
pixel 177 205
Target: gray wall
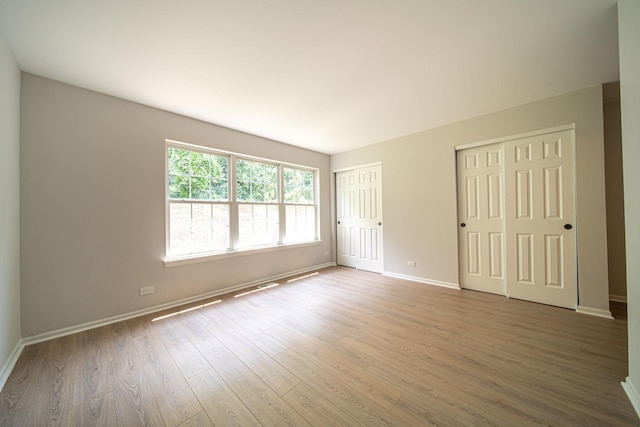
pixel 629 39
pixel 419 189
pixel 93 207
pixel 9 206
pixel 615 201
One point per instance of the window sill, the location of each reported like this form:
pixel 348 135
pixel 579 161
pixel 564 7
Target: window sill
pixel 193 259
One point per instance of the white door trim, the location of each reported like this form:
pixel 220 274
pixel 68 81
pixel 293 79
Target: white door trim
pixel 350 168
pixel 516 136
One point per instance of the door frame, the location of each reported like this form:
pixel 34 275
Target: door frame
pixel 517 136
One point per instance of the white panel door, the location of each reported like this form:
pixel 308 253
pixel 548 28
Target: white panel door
pixel 540 219
pixel 481 218
pixel 359 217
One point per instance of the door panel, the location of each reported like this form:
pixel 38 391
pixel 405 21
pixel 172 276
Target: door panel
pixel 539 171
pixel 359 213
pixel 481 210
pixel 524 253
pixel 496 255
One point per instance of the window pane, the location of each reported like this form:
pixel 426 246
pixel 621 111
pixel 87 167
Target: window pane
pixel 256 182
pixel 243 191
pixel 258 225
pixel 178 161
pixel 220 240
pixel 243 170
pixel 219 190
pixel 219 166
pixel 200 188
pixel 301 223
pixel 180 228
pixel 257 192
pixel 245 225
pixel 191 173
pixel 200 164
pixel 273 224
pixel 257 172
pixel 271 183
pixel 298 186
pixel 197 228
pixel 308 195
pixel 201 228
pixel 271 193
pixel 178 187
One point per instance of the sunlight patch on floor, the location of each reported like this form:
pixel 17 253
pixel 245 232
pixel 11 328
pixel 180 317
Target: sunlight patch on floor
pixel 186 310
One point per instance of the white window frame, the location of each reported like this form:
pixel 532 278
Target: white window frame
pixel 285 204
pixel 233 203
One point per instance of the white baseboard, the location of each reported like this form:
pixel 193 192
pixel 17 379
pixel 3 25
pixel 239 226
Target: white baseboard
pixel 632 393
pixel 109 320
pixel 618 298
pixel 10 363
pixel 422 280
pixel 598 312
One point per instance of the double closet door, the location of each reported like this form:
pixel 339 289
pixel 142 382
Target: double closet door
pixel 516 218
pixel 359 218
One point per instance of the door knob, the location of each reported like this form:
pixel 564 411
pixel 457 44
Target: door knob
pixel 463 225
pixel 379 223
pixel 568 226
pixel 338 222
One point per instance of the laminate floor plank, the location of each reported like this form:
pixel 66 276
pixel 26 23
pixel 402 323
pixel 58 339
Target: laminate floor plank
pixel 241 311
pixel 551 409
pixel 268 369
pixel 443 403
pixel 186 356
pixel 378 391
pixel 416 412
pixel 97 412
pixel 315 410
pixel 334 347
pixel 56 383
pixel 519 361
pixel 199 420
pixel 135 403
pixel 331 353
pixel 172 393
pixel 222 406
pixel 333 389
pixel 22 384
pixel 263 341
pixel 265 404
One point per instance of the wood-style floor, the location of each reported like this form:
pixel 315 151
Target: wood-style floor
pixel 339 347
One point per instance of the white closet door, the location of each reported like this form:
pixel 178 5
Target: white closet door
pixel 359 216
pixel 481 218
pixel 540 223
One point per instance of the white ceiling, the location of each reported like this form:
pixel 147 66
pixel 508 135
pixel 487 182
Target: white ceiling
pixel 328 75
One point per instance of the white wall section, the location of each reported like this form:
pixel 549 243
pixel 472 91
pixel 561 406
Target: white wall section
pixel 9 210
pixel 419 188
pixel 629 39
pixel 93 213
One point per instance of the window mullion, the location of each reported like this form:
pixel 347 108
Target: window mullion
pixel 233 205
pixel 316 202
pixel 281 208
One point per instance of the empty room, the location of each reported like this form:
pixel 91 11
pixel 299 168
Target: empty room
pixel 319 213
